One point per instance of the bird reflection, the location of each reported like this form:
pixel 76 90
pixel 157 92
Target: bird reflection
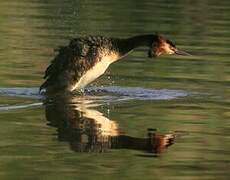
pixel 88 130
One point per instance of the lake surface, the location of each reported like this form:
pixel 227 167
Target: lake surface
pixel 162 118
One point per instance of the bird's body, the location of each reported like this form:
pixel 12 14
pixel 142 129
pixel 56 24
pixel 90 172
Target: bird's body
pixel 86 58
pixel 97 70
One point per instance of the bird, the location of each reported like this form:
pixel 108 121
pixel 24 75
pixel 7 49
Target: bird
pixel 86 58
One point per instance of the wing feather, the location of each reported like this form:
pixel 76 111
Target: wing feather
pixel 69 65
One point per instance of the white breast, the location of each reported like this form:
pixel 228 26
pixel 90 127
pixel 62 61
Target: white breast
pixel 97 70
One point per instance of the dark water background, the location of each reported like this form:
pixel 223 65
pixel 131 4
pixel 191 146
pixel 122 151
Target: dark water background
pixel 187 99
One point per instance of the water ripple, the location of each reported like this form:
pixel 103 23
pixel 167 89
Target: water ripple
pixel 138 93
pixel 123 93
pixel 112 94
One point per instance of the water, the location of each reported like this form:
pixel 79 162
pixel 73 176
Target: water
pixel 163 118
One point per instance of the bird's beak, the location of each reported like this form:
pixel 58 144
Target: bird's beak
pixel 182 53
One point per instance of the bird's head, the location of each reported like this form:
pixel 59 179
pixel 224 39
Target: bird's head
pixel 160 45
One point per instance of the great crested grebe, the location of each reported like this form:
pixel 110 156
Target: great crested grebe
pixel 87 58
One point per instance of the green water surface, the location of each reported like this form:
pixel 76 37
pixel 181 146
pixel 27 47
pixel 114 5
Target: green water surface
pixel 38 142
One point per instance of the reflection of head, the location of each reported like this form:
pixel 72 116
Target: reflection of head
pixel 88 130
pixel 161 141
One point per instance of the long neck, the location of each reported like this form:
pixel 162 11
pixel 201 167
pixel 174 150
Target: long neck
pixel 127 45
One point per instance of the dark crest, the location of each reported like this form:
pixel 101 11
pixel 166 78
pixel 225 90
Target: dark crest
pixel 171 43
pixel 155 45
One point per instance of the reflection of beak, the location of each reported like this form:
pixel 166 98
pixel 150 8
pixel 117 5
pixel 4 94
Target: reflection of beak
pixel 179 52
